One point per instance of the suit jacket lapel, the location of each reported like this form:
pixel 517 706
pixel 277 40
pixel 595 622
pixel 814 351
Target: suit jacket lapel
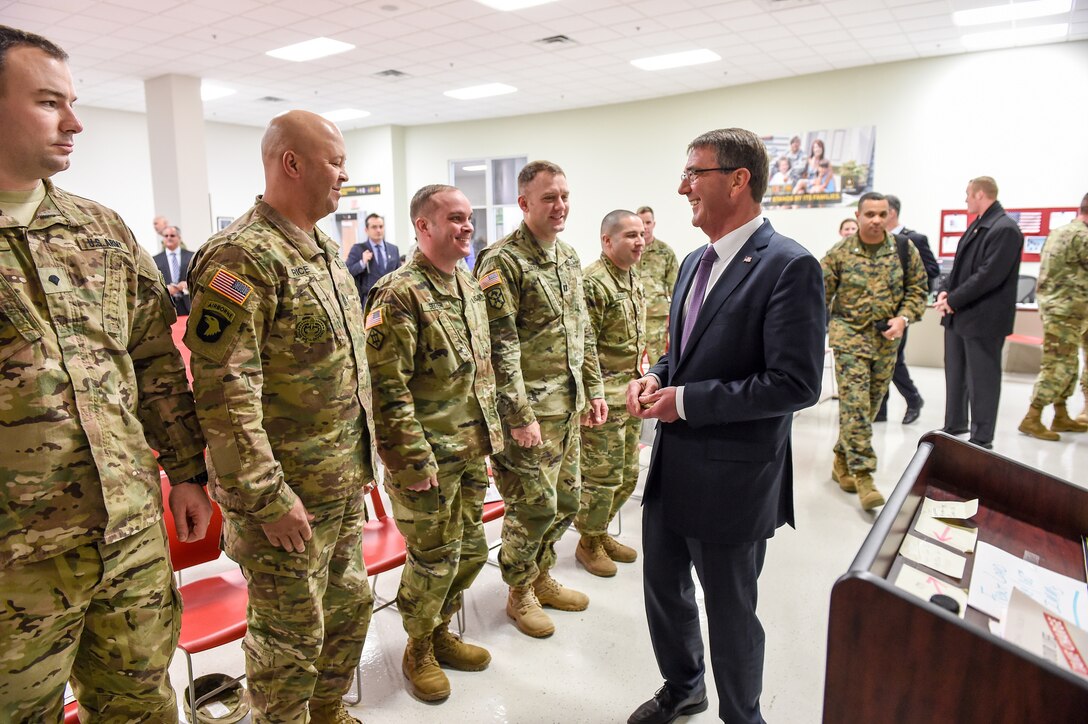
pixel 676 312
pixel 745 260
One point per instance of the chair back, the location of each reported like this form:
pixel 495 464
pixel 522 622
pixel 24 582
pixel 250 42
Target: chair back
pixel 377 507
pixel 1025 289
pixel 186 555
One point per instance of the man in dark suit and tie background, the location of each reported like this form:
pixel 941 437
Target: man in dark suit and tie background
pixel 370 260
pixel 978 308
pixel 748 318
pixel 173 264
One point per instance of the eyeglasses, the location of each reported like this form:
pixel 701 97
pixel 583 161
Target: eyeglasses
pixel 693 173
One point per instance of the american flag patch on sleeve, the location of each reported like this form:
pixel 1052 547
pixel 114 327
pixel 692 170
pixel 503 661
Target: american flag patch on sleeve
pixel 490 279
pixel 230 286
pixel 373 319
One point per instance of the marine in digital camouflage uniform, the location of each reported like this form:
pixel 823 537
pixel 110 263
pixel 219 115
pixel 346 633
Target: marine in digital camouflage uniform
pixel 864 285
pixel 429 350
pixel 280 378
pixel 546 366
pixel 615 304
pixel 657 270
pixel 1062 294
pixel 89 378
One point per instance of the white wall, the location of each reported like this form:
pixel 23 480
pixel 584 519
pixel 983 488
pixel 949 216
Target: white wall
pixel 939 122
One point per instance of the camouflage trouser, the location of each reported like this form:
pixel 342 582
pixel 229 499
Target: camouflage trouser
pixel 657 335
pixel 540 488
pixel 106 615
pixel 609 470
pixel 862 382
pixel 444 532
pixel 1058 370
pixel 308 618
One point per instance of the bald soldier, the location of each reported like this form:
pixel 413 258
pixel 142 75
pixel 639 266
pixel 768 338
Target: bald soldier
pixel 435 418
pixel 615 304
pixel 280 377
pixel 91 381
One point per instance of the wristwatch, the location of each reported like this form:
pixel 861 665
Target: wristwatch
pixel 906 320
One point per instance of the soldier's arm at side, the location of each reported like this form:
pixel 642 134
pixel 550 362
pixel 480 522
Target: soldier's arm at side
pixel 591 367
pixel 391 356
pixel 502 300
pixel 226 339
pixel 672 271
pixel 917 293
pixel 831 280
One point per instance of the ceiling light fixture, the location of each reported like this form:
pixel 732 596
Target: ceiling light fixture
pixel 344 114
pixel 1011 11
pixel 480 91
pixel 677 60
pixel 214 91
pixel 1015 36
pixel 310 50
pixel 509 5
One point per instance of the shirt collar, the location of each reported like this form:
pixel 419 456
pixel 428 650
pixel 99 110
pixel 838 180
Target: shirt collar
pixel 727 246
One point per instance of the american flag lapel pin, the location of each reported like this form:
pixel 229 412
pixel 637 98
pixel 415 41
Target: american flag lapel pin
pixel 747 260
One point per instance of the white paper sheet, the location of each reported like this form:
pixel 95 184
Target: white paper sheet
pixel 932 556
pixel 1030 626
pixel 924 585
pixel 996 572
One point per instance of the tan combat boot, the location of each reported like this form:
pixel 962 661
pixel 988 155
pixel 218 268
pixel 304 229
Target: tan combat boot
pixel 841 475
pixel 523 606
pixel 1062 422
pixel 331 713
pixel 1033 426
pixel 551 593
pixel 425 679
pixel 618 551
pixel 453 652
pixel 868 495
pixel 590 553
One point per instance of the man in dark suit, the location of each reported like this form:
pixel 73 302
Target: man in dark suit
pixel 901 376
pixel 372 259
pixel 173 264
pixel 748 320
pixel 977 308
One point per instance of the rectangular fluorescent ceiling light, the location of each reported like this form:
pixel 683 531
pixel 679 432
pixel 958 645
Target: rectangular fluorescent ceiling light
pixel 677 60
pixel 480 91
pixel 213 91
pixel 344 114
pixel 1011 11
pixel 508 5
pixel 475 167
pixel 1015 36
pixel 310 50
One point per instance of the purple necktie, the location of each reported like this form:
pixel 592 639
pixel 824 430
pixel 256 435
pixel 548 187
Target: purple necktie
pixel 698 291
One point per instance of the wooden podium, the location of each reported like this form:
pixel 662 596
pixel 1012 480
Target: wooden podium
pixel 893 657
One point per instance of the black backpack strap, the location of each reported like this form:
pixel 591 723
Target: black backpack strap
pixel 902 242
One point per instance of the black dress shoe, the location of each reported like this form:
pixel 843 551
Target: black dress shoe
pixel 881 416
pixel 913 411
pixel 987 445
pixel 666 706
pixel 955 430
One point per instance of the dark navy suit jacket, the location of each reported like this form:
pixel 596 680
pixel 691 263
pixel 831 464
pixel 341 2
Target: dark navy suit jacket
pixel 755 357
pixel 367 275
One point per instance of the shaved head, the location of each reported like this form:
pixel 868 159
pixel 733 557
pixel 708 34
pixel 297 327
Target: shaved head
pixel 304 166
pixel 296 131
pixel 613 219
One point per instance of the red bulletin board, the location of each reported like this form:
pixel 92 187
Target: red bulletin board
pixel 1036 224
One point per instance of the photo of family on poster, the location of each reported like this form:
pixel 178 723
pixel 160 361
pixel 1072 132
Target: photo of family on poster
pixel 820 168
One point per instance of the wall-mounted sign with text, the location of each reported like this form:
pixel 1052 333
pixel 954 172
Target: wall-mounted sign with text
pixel 361 190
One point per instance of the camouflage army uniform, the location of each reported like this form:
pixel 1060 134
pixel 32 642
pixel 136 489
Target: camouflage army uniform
pixel 864 285
pixel 657 270
pixel 615 304
pixel 546 367
pixel 281 386
pixel 429 351
pixel 1063 304
pixel 89 377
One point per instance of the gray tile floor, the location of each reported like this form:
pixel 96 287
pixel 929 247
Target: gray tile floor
pixel 599 665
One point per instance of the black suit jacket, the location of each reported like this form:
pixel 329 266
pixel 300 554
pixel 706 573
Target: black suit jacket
pixel 921 241
pixel 982 285
pixel 755 357
pixel 367 275
pixel 182 302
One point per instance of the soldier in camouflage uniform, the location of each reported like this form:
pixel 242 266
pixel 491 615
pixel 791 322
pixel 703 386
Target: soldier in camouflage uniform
pixel 280 377
pixel 615 303
pixel 657 270
pixel 1063 305
pixel 871 298
pixel 89 377
pixel 545 361
pixel 429 349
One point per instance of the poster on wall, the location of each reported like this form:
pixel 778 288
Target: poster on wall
pixel 814 169
pixel 1035 224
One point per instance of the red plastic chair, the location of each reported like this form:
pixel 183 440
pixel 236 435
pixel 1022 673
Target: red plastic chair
pixel 71 713
pixel 215 607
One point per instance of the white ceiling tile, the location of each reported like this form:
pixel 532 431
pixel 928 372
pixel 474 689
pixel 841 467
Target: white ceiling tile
pixel 802 14
pixel 732 10
pixel 27 13
pixel 922 10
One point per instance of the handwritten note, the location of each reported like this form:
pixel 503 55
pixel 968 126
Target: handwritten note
pixel 952 535
pixel 952 509
pixel 923 585
pixel 996 572
pixel 932 556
